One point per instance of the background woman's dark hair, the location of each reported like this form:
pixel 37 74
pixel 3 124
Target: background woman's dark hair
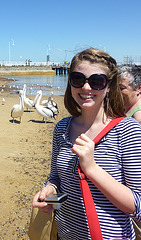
pixel 113 103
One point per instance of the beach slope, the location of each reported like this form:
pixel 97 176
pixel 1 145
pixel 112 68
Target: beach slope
pixel 24 163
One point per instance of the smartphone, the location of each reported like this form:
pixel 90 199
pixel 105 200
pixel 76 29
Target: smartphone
pixel 55 198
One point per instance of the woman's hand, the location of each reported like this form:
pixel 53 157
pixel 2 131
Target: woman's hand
pixel 43 206
pixel 84 148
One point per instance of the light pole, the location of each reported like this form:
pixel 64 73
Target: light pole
pixel 9 50
pixel 48 56
pixel 21 59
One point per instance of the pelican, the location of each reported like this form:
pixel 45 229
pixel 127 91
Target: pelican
pixel 17 109
pixel 28 103
pixel 45 112
pixel 3 101
pixel 44 102
pixel 50 104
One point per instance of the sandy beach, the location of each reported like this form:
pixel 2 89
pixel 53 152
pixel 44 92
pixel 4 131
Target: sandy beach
pixel 24 163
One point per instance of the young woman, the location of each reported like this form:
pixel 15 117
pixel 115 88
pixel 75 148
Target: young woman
pixel 112 166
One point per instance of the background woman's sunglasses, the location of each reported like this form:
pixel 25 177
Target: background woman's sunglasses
pixel 96 81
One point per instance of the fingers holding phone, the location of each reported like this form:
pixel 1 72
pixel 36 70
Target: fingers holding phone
pixel 38 200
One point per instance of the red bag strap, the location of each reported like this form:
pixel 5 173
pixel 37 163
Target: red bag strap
pixel 110 125
pixel 93 222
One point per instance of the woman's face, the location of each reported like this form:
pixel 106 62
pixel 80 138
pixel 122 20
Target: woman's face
pixel 86 97
pixel 127 92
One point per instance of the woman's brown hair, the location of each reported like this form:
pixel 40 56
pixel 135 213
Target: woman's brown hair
pixel 113 103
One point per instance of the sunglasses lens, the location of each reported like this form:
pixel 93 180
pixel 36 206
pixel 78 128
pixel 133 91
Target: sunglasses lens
pixel 77 79
pixel 98 81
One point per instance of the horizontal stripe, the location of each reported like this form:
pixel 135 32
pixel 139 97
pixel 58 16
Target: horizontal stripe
pixel 118 153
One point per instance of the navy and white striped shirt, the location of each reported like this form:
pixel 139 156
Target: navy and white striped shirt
pixel 118 153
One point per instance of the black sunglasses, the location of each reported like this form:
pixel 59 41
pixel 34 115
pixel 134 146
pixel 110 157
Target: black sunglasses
pixel 96 81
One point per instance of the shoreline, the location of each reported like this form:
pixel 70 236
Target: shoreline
pixel 5 80
pixel 26 73
pixel 4 86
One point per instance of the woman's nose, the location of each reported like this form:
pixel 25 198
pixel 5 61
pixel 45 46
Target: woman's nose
pixel 86 85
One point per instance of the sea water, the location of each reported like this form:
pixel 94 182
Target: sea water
pixel 49 84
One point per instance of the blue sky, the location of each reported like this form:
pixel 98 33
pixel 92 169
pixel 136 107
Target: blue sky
pixel 68 27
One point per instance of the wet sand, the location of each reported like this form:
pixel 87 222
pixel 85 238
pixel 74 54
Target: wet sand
pixel 24 163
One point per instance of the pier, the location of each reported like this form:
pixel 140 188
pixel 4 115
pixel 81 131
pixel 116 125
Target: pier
pixel 60 70
pixel 26 70
pixel 33 70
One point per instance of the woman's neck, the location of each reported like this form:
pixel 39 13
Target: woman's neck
pixel 90 117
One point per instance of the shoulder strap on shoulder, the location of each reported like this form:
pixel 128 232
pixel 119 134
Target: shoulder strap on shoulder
pixel 93 222
pixel 110 125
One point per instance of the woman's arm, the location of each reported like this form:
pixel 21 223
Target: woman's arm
pixel 137 116
pixel 118 194
pixel 51 186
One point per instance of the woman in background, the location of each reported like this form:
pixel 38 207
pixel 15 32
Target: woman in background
pixel 130 85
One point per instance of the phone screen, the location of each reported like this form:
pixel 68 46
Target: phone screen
pixel 56 198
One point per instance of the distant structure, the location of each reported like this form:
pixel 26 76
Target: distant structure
pixel 48 56
pixel 60 69
pixel 129 60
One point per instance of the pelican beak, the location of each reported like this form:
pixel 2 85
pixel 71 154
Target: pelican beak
pixel 35 99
